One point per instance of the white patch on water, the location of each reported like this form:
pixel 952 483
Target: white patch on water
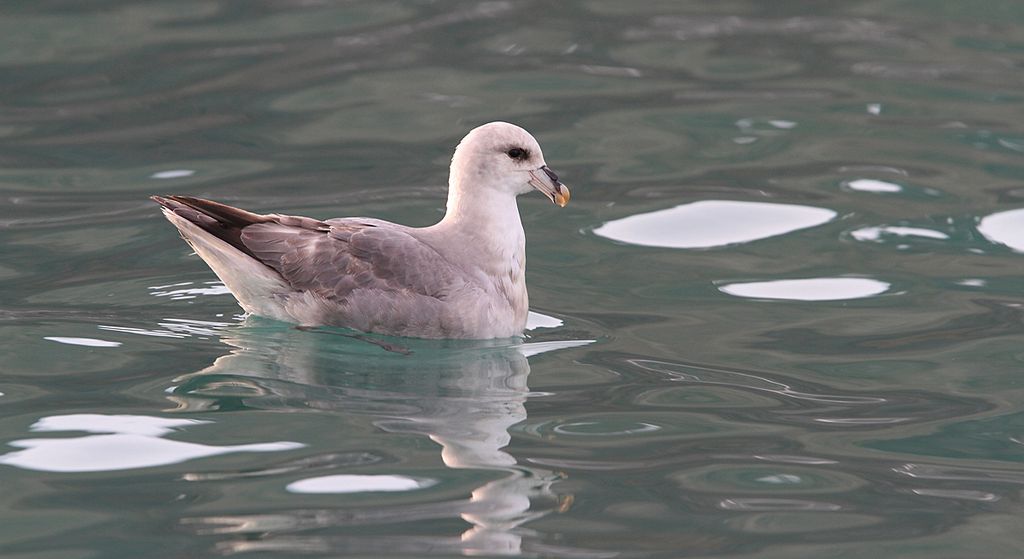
pixel 119 442
pixel 352 483
pixel 810 289
pixel 713 223
pixel 537 320
pixel 876 233
pixel 872 185
pixel 1004 228
pixel 88 342
pixel 173 174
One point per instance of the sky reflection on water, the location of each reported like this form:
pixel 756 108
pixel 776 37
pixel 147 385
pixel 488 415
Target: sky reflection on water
pixel 713 223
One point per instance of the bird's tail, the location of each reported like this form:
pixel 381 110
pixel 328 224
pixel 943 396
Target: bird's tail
pixel 214 232
pixel 220 220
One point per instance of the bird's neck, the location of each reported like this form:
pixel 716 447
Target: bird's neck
pixel 489 234
pixel 492 218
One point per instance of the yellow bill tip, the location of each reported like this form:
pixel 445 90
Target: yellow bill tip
pixel 562 196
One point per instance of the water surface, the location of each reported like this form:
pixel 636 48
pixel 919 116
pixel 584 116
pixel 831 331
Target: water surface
pixel 781 317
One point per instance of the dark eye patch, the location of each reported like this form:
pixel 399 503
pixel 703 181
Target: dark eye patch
pixel 518 154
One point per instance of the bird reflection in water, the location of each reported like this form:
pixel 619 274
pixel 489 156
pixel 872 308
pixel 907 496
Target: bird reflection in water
pixel 462 395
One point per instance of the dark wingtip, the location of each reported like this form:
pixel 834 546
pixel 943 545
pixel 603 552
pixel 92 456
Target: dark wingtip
pixel 174 198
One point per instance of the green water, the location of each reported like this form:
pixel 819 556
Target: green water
pixel 781 317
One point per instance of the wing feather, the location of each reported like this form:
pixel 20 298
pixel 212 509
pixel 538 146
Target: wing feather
pixel 334 260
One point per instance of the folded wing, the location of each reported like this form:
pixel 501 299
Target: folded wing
pixel 329 259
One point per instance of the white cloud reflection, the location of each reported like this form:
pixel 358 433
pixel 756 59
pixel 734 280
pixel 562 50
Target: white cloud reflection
pixel 876 234
pixel 1005 228
pixel 88 342
pixel 536 320
pixel 351 483
pixel 809 289
pixel 713 223
pixel 121 442
pixel 873 185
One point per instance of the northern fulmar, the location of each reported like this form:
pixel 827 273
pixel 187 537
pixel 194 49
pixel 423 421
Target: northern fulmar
pixel 463 277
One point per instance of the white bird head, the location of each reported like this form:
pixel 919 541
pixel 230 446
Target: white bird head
pixel 504 157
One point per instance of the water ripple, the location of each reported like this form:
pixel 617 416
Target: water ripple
pixel 775 398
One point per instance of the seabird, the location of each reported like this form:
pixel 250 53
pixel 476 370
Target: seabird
pixel 463 277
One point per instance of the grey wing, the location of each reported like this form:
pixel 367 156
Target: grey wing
pixel 337 258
